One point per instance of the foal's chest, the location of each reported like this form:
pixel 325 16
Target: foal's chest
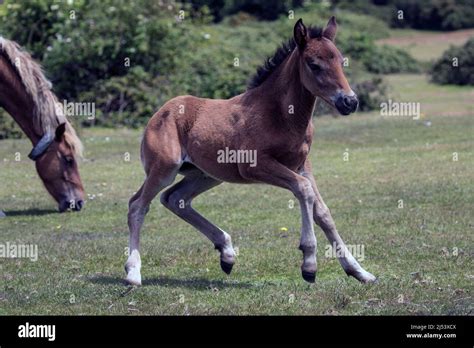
pixel 293 154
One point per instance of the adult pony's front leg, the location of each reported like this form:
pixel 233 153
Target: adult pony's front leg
pixel 322 217
pixel 272 172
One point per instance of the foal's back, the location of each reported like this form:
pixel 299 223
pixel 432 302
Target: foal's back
pixel 192 129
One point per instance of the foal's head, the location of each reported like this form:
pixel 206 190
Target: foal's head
pixel 59 172
pixel 320 67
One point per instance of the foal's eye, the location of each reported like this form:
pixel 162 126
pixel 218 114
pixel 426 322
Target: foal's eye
pixel 69 160
pixel 314 67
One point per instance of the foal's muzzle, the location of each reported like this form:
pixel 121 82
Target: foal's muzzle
pixel 346 104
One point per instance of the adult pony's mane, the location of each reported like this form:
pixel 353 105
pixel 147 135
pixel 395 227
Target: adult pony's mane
pixel 274 61
pixel 48 112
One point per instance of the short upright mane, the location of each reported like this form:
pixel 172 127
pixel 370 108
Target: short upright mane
pixel 274 61
pixel 48 112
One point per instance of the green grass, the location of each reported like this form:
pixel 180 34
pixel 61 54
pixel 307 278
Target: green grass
pixel 81 255
pixel 441 100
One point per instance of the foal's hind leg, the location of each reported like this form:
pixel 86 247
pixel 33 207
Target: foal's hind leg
pixel 178 199
pixel 322 217
pixel 138 207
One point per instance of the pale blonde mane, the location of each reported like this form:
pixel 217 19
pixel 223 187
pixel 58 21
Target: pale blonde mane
pixel 48 112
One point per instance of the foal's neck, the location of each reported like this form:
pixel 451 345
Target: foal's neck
pixel 15 100
pixel 295 104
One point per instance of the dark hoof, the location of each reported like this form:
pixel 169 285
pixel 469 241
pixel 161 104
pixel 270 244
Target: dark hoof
pixel 226 267
pixel 310 277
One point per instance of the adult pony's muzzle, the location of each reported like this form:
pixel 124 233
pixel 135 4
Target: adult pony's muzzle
pixel 70 204
pixel 346 104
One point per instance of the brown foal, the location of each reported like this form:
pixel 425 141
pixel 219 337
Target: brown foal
pixel 26 95
pixel 271 119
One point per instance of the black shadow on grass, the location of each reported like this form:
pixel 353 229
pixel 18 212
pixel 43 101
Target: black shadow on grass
pixel 191 283
pixel 30 212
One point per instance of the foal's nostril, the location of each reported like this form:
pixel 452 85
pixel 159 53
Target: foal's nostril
pixel 346 101
pixel 350 102
pixel 355 104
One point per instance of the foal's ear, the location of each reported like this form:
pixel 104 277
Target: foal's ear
pixel 299 33
pixel 60 132
pixel 331 29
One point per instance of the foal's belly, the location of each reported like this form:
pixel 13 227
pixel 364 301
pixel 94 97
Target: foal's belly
pixel 219 162
pixel 224 172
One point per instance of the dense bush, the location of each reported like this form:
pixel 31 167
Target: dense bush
pixel 89 50
pixel 262 9
pixel 419 14
pixel 35 24
pixel 370 93
pixel 389 60
pixel 377 59
pixel 382 9
pixel 434 14
pixel 456 66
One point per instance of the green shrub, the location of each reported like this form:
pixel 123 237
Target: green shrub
pixel 389 60
pixel 382 9
pixel 8 127
pixel 370 93
pixel 128 100
pixel 262 9
pixel 456 66
pixel 376 59
pixel 90 51
pixel 419 14
pixel 43 20
pixel 434 14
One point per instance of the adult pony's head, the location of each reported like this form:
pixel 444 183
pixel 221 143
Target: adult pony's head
pixel 26 94
pixel 56 163
pixel 320 66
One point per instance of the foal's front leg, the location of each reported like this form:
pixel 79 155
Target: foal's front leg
pixel 271 172
pixel 322 216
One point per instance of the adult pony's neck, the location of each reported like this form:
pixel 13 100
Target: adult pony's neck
pixel 26 95
pixel 283 88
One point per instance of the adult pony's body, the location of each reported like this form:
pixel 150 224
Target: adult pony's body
pixel 26 95
pixel 272 118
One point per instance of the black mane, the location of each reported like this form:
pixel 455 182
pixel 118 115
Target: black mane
pixel 274 61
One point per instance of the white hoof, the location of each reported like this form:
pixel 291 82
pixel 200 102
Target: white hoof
pixel 227 252
pixel 363 276
pixel 133 276
pixel 132 267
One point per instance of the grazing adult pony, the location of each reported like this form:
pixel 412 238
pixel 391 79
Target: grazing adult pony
pixel 26 95
pixel 272 119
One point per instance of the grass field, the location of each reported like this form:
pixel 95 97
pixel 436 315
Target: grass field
pixel 426 45
pixel 422 253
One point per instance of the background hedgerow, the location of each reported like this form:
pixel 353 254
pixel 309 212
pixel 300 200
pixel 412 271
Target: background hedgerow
pixel 456 66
